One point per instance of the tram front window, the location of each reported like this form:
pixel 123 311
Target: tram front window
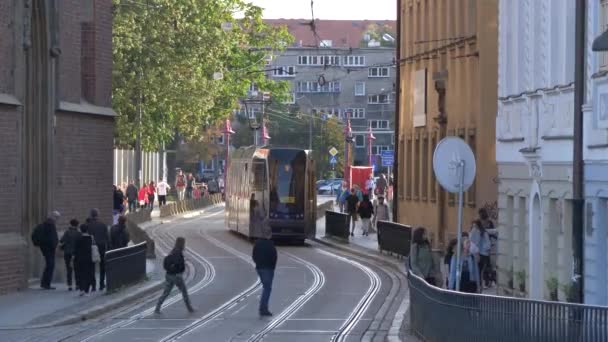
pixel 287 177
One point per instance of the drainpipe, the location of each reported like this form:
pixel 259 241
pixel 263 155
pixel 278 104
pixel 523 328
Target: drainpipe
pixel 578 197
pixel 397 139
pixel 442 122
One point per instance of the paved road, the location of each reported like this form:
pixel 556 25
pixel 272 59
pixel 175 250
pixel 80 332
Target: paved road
pixel 319 294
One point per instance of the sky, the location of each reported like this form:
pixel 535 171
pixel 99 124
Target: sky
pixel 329 9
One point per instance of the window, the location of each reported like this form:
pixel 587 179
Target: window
pixel 220 140
pixel 379 124
pixel 417 167
pixel 319 60
pixel 354 61
pixel 378 72
pixel 327 111
pixel 408 168
pixel 291 99
pixel 379 99
pixel 355 113
pixel 303 60
pixel 284 71
pixel 325 43
pixel 315 87
pixel 603 59
pixel 359 141
pixel 376 150
pixel 360 89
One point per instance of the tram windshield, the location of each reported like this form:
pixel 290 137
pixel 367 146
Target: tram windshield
pixel 287 171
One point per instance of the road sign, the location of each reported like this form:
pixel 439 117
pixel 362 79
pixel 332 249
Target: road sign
pixel 388 158
pixel 333 151
pixel 333 160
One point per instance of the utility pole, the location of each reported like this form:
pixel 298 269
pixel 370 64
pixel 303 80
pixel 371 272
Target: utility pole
pixel 138 159
pixel 578 196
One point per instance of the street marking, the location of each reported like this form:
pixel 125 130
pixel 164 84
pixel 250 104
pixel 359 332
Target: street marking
pixel 305 331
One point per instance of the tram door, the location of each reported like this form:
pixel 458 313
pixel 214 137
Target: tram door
pixel 259 188
pixel 311 194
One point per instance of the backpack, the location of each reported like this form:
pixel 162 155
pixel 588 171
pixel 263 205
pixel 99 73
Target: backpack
pixel 171 263
pixel 38 235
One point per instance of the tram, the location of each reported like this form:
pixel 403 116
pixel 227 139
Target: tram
pixel 283 181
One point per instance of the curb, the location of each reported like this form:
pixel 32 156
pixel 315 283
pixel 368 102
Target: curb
pixel 403 309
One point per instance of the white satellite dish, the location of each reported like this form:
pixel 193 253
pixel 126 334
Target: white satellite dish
pixel 454 167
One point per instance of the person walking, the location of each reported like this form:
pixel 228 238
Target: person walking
pixel 45 237
pixel 175 265
pixel 365 211
pixel 150 192
pixel 421 256
pixel 481 238
pixel 83 261
pixel 264 256
pixel 67 244
pixel 190 183
pixel 119 236
pixel 341 196
pixel 381 211
pixel 143 197
pixel 162 187
pixel 352 202
pixel 180 185
pixel 132 196
pixel 469 272
pixel 370 185
pixel 447 259
pixel 101 237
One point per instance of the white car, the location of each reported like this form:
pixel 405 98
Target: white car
pixel 330 188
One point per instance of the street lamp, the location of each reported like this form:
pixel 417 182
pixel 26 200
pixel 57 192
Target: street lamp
pixel 348 139
pixel 370 139
pixel 265 136
pixel 227 133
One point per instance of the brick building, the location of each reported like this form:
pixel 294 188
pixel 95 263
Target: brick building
pixel 56 122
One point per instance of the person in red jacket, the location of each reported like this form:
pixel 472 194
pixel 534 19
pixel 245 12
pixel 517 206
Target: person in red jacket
pixel 142 197
pixel 151 190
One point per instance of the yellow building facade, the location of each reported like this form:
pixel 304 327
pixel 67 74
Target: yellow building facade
pixel 448 87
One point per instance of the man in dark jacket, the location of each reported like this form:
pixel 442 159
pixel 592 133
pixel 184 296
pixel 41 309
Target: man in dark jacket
pixel 119 236
pixel 352 203
pixel 175 266
pixel 265 258
pixel 68 244
pixel 99 231
pixel 132 192
pixel 45 237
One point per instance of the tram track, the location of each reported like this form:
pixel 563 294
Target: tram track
pixel 164 247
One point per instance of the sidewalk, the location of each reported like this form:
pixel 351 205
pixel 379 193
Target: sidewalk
pixel 34 307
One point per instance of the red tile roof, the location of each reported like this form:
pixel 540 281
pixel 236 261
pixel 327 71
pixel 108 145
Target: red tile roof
pixel 342 33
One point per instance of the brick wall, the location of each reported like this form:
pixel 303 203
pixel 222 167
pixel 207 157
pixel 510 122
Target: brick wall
pixel 9 169
pixel 83 160
pixel 70 14
pixel 6 43
pixel 103 44
pixel 13 257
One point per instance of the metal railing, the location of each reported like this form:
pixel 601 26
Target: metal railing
pixel 443 315
pixel 337 224
pixel 181 207
pixel 394 237
pixel 125 266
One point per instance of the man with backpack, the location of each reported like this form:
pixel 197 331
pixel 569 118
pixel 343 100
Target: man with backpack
pixel 45 237
pixel 175 265
pixel 119 236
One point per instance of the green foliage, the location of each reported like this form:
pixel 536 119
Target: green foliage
pixel 166 53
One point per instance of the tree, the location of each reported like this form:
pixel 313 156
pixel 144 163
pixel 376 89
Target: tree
pixel 168 55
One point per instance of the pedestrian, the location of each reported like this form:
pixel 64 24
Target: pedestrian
pixel 162 187
pixel 118 206
pixel 119 235
pixel 365 211
pixel 485 220
pixel 352 202
pixel 358 192
pixel 421 256
pixel 381 211
pixel 175 265
pixel 180 185
pixel 264 256
pixel 342 195
pixel 143 197
pixel 369 186
pixel 469 272
pixel 381 185
pixel 213 187
pixel 83 261
pixel 481 238
pixel 67 245
pixel 150 192
pixel 101 237
pixel 190 183
pixel 132 196
pixel 45 237
pixel 447 259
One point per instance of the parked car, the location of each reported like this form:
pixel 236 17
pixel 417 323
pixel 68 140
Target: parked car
pixel 321 182
pixel 330 188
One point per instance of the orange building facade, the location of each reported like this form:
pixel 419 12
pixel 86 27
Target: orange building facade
pixel 448 87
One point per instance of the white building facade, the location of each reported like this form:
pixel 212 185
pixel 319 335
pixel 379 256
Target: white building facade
pixel 534 130
pixel 596 159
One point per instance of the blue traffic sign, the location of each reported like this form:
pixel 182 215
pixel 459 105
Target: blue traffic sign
pixel 388 158
pixel 333 160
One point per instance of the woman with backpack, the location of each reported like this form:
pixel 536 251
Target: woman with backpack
pixel 175 266
pixel 481 238
pixel 469 272
pixel 421 257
